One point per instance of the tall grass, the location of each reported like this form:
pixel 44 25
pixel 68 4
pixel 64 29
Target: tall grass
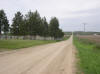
pixel 89 56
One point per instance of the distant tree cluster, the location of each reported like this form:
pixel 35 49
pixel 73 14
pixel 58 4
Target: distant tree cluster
pixel 30 24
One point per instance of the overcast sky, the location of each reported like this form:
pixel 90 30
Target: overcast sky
pixel 71 13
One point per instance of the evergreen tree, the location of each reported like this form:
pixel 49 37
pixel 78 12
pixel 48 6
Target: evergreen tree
pixel 44 27
pixel 34 22
pixel 54 30
pixel 53 27
pixel 60 34
pixel 16 28
pixel 4 24
pixel 24 27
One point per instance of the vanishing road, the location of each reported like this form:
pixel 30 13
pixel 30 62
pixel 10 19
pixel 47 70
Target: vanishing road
pixel 54 58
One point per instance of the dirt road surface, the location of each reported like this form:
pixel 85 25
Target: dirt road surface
pixel 55 58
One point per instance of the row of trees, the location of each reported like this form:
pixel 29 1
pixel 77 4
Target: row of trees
pixel 30 24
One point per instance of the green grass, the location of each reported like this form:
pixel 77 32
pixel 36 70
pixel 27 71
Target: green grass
pixel 89 56
pixel 16 44
pixel 67 37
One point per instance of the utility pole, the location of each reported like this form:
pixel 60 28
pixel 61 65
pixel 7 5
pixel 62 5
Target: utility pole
pixel 84 26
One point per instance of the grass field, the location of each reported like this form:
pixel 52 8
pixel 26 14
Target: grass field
pixel 15 44
pixel 88 54
pixel 93 38
pixel 86 33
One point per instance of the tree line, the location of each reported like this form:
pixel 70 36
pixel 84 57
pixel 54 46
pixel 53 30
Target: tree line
pixel 30 24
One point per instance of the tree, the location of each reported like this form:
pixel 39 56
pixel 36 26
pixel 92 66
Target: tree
pixel 4 23
pixel 24 27
pixel 44 27
pixel 54 30
pixel 60 34
pixel 34 22
pixel 53 27
pixel 16 28
pixel 33 25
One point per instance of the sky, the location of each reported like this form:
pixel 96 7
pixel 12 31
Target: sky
pixel 71 13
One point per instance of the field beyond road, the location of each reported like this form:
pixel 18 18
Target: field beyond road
pixel 54 58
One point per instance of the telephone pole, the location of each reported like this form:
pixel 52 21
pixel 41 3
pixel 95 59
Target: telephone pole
pixel 84 26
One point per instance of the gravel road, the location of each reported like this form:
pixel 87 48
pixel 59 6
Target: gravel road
pixel 54 58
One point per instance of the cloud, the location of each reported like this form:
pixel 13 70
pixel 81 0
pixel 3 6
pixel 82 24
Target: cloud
pixel 68 12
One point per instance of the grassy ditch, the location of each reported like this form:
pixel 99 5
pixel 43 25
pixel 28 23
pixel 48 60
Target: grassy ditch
pixel 89 56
